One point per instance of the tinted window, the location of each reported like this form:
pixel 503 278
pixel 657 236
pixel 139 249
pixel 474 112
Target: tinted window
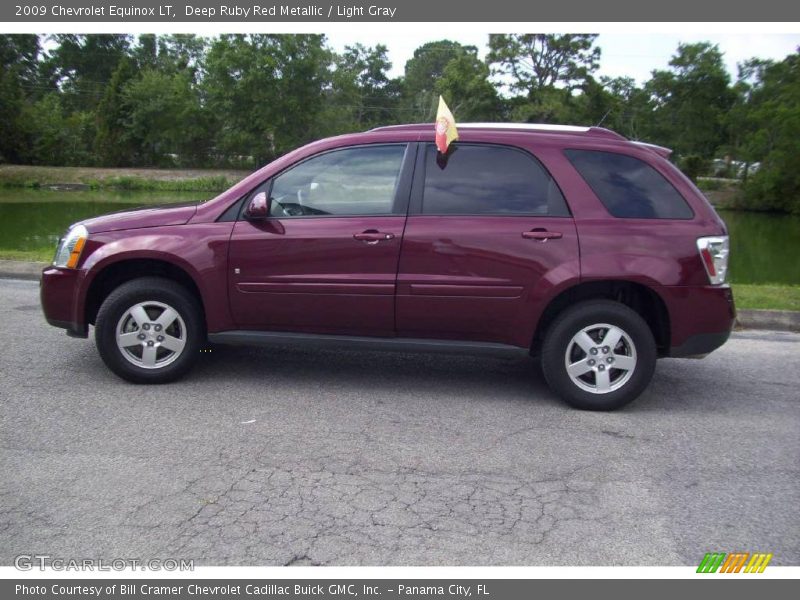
pixel 479 180
pixel 353 181
pixel 629 187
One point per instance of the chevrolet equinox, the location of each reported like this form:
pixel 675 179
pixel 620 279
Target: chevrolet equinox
pixel 571 244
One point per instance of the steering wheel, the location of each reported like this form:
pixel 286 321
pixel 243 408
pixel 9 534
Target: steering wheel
pixel 293 210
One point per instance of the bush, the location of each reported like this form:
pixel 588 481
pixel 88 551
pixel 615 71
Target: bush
pixel 776 186
pixel 694 165
pixel 709 185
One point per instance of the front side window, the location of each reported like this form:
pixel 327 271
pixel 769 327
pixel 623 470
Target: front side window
pixel 628 187
pixel 488 180
pixel 352 181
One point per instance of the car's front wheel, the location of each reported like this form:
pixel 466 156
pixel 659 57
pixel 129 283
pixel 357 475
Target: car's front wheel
pixel 598 355
pixel 149 330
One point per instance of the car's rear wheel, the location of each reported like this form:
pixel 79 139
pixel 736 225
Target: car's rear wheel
pixel 598 355
pixel 149 330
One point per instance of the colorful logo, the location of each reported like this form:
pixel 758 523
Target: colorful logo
pixel 735 562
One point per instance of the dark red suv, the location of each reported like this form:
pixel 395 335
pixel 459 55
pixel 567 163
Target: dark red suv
pixel 569 243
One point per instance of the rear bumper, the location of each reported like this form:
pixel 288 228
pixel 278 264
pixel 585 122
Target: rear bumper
pixel 701 318
pixel 700 344
pixel 59 293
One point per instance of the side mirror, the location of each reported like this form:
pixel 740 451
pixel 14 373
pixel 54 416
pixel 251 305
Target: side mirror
pixel 258 207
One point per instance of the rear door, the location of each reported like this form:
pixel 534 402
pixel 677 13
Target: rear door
pixel 326 259
pixel 488 226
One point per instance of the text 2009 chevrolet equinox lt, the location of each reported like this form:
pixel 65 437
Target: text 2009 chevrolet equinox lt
pixel 568 243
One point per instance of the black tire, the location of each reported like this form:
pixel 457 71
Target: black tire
pixel 559 340
pixel 189 327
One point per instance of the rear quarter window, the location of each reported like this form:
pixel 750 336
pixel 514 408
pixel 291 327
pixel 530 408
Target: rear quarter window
pixel 628 187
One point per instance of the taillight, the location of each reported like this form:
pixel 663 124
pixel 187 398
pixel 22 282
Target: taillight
pixel 715 251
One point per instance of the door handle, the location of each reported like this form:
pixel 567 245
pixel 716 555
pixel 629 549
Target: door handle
pixel 372 236
pixel 542 235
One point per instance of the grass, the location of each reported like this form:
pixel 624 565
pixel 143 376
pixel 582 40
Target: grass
pixel 722 193
pixel 37 255
pixel 709 185
pixel 766 297
pixel 215 183
pixel 162 180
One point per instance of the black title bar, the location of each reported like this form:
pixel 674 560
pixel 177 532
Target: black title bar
pixel 491 11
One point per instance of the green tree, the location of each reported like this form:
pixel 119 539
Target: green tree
pixel 690 101
pixel 170 53
pixel 182 52
pixel 428 64
pixel 552 105
pixel 113 146
pixel 164 120
pixel 465 83
pixel 145 53
pixel 264 93
pixel 740 127
pixel 454 71
pixel 629 110
pixel 58 137
pixel 547 75
pixel 82 65
pixel 360 94
pixel 771 116
pixel 18 82
pixel 533 62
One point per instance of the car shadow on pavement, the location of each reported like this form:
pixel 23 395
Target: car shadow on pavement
pixel 498 378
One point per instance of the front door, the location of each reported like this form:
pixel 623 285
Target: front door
pixel 326 259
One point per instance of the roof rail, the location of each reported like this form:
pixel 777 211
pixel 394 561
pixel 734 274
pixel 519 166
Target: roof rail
pixel 542 127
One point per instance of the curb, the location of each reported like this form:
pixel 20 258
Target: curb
pixel 776 320
pixel 20 269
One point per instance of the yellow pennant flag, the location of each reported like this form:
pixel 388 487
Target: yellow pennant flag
pixel 446 131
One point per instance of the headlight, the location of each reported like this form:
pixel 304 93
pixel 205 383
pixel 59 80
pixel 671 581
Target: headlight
pixel 69 249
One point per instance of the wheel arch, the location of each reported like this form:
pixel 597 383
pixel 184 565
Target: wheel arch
pixel 118 272
pixel 641 298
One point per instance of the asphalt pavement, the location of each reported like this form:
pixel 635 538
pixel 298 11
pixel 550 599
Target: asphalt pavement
pixel 271 457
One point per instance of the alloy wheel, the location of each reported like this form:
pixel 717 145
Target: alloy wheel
pixel 600 358
pixel 151 335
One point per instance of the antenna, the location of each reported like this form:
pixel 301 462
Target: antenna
pixel 608 112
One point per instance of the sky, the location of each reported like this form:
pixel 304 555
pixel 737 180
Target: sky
pixel 623 55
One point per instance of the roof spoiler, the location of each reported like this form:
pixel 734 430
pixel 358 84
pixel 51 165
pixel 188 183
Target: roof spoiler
pixel 660 150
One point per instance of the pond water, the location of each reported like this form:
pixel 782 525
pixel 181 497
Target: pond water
pixel 33 220
pixel 765 248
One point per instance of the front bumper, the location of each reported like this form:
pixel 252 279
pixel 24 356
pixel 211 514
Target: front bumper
pixel 59 294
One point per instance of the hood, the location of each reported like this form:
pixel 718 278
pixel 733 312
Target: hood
pixel 147 216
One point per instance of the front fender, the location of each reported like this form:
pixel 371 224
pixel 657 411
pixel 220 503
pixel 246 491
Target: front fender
pixel 200 251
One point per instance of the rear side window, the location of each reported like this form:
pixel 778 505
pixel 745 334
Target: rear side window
pixel 629 187
pixel 488 180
